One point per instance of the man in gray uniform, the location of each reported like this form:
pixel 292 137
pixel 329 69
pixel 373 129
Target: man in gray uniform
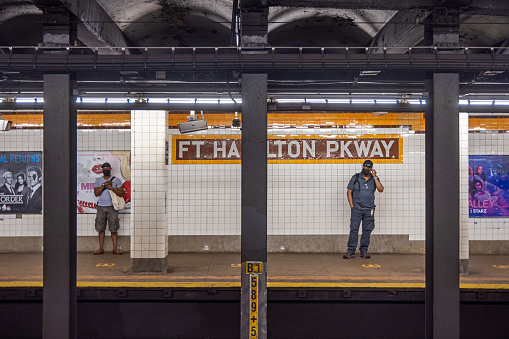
pixel 361 197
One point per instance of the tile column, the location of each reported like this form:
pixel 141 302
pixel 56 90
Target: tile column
pixel 463 175
pixel 149 221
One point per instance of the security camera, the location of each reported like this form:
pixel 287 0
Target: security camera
pixel 236 121
pixel 193 124
pixel 5 125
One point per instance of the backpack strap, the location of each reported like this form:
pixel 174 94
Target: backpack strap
pixel 113 179
pixel 356 181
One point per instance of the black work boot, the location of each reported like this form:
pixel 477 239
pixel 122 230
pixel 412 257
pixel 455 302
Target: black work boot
pixel 365 255
pixel 349 255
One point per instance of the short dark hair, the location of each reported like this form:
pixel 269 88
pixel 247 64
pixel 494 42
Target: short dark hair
pixel 36 170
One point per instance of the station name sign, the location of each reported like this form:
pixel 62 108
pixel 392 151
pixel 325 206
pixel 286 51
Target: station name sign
pixel 290 149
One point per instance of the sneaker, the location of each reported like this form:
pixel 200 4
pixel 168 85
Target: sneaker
pixel 349 255
pixel 365 255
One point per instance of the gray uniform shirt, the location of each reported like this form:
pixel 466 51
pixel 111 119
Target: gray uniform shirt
pixel 363 192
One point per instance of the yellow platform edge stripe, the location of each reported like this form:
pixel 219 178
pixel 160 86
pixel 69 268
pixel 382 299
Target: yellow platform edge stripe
pixel 230 284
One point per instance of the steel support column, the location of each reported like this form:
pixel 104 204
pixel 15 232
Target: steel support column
pixel 59 184
pixel 442 207
pixel 442 182
pixel 254 203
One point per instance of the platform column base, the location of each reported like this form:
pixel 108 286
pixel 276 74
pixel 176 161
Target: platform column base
pixel 156 265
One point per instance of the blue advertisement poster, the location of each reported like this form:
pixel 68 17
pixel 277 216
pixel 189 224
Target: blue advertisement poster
pixel 488 186
pixel 21 182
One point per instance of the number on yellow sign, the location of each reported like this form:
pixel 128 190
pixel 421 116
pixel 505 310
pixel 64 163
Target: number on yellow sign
pixel 254 307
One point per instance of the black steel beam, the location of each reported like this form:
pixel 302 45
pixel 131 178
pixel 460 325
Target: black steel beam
pixel 94 19
pixel 442 207
pixel 254 168
pixel 254 205
pixel 229 108
pixel 220 294
pixel 287 59
pixel 59 184
pixel 479 7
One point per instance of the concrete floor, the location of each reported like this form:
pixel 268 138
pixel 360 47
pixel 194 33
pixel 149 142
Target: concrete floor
pixel 284 270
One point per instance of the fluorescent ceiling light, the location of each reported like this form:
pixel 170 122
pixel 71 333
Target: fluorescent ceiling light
pixel 93 100
pixel 386 101
pixel 481 102
pixel 157 100
pixel 24 100
pixel 207 101
pixel 363 101
pixel 338 101
pixel 289 101
pixel 117 100
pixel 181 101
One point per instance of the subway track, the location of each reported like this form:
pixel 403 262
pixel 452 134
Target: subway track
pixel 309 295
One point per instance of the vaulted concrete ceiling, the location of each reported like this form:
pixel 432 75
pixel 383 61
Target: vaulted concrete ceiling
pixel 158 23
pixel 285 23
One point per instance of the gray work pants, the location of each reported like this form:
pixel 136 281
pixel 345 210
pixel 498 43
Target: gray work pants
pixel 367 216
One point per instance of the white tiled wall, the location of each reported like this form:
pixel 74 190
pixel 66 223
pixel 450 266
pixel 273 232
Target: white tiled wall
pixel 204 199
pixel 302 198
pixel 463 177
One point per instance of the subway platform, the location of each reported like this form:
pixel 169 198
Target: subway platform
pixel 308 296
pixel 291 270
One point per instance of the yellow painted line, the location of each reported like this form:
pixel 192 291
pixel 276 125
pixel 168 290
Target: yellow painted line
pixel 501 266
pixel 371 266
pixel 153 277
pixel 20 283
pixel 328 285
pixel 337 278
pixel 105 265
pixel 485 286
pixel 156 284
pixel 233 284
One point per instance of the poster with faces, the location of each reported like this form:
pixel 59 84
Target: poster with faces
pixel 21 182
pixel 488 179
pixel 89 168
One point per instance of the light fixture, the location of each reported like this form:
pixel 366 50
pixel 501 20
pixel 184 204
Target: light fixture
pixel 193 124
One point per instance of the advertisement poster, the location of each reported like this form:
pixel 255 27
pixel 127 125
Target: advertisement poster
pixel 89 168
pixel 21 182
pixel 488 186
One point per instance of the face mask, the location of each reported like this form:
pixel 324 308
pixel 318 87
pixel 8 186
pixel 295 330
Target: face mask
pixel 365 171
pixel 106 173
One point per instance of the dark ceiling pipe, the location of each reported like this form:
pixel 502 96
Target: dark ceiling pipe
pixel 283 59
pixel 303 107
